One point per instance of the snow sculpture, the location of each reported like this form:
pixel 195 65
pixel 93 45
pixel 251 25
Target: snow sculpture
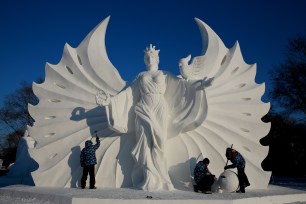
pixel 153 128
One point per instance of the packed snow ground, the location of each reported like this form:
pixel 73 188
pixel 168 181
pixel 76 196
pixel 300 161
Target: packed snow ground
pixel 19 194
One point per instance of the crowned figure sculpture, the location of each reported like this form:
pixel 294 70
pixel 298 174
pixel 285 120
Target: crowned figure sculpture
pixel 149 103
pixel 153 129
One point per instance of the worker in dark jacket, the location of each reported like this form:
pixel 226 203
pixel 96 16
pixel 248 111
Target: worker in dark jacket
pixel 203 177
pixel 237 162
pixel 88 160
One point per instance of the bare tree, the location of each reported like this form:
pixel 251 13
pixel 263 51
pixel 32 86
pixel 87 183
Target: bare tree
pixel 14 115
pixel 286 139
pixel 289 79
pixel 14 118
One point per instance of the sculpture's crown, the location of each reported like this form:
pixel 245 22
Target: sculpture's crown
pixel 151 50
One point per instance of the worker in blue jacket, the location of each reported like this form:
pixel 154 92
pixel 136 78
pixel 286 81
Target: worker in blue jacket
pixel 203 177
pixel 88 161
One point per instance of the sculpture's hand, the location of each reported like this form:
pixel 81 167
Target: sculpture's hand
pixel 206 82
pixel 102 98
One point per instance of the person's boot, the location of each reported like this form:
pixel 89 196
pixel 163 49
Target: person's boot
pixel 241 190
pixel 207 192
pixel 195 188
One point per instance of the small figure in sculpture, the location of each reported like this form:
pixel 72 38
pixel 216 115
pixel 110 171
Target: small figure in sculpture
pixel 152 125
pixel 88 161
pixel 203 177
pixel 237 162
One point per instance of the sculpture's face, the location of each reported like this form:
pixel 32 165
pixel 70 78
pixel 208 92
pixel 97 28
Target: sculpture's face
pixel 151 61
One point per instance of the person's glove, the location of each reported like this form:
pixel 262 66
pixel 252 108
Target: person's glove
pixel 226 167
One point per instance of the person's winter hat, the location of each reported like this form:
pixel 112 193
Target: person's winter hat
pixel 228 152
pixel 88 143
pixel 206 161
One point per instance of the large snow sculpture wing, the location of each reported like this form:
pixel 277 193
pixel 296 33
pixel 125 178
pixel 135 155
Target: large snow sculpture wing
pixel 67 113
pixel 233 115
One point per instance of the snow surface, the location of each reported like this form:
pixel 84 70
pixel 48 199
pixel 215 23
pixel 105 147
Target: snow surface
pixel 46 195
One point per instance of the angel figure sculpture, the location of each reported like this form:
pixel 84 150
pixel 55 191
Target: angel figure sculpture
pixel 153 129
pixel 149 97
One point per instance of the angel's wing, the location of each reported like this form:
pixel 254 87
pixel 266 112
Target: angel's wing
pixel 67 113
pixel 233 116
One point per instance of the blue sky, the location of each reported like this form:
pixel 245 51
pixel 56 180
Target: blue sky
pixel 34 32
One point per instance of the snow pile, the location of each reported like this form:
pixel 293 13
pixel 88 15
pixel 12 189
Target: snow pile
pixel 20 172
pixel 228 181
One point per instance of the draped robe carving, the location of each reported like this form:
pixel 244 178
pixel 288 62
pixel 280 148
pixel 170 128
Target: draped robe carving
pixel 148 100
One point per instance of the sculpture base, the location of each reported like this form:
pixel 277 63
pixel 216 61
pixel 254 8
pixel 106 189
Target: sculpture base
pixel 38 195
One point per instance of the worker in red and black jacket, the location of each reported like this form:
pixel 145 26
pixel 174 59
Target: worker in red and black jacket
pixel 237 162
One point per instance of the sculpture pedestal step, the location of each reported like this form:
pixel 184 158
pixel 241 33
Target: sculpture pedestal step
pixel 38 195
